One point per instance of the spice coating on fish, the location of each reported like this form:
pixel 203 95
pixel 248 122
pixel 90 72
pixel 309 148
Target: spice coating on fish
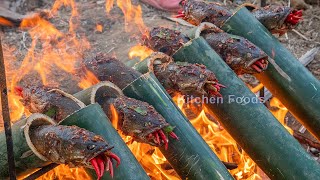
pixel 240 54
pixel 187 78
pixel 40 100
pixel 73 146
pixel 277 19
pixel 67 144
pixel 196 12
pixel 137 119
pixel 165 40
pixel 108 68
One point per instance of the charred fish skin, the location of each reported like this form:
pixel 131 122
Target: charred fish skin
pixel 196 11
pixel 136 118
pixel 165 40
pixel 108 68
pixel 38 100
pixel 274 18
pixel 67 144
pixel 187 79
pixel 239 53
pixel 277 19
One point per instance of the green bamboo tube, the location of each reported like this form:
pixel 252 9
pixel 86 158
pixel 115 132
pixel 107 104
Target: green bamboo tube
pixel 25 159
pixel 252 125
pixel 93 119
pixel 286 78
pixel 190 157
pixel 104 89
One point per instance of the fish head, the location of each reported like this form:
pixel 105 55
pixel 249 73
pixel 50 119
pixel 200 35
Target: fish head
pixel 83 147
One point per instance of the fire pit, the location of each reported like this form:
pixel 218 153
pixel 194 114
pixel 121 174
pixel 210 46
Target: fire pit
pixel 180 114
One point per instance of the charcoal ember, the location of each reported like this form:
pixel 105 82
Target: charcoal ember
pixel 196 11
pixel 39 99
pixel 239 53
pixel 135 118
pixel 108 68
pixel 165 40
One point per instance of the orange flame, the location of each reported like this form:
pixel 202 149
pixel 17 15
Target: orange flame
pixel 132 14
pixel 140 51
pixel 49 49
pixel 89 80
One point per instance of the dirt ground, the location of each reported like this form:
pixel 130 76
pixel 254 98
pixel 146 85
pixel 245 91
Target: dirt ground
pixel 114 39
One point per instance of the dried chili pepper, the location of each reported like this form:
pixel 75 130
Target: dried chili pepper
pixel 73 146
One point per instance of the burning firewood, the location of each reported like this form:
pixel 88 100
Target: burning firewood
pixel 277 19
pixel 73 146
pixel 240 54
pixel 52 102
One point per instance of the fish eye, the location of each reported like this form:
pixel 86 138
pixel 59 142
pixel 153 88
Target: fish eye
pixel 91 147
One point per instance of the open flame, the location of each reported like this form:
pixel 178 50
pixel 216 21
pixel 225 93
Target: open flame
pixel 220 141
pixel 132 14
pixel 140 51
